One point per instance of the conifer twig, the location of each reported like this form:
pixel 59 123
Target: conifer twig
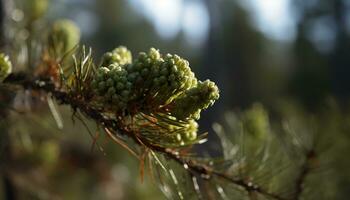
pixel 78 103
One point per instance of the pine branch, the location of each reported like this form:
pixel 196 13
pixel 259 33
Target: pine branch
pixel 307 166
pixel 79 103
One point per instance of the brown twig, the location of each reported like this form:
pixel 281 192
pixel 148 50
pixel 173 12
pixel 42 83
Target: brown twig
pixel 77 102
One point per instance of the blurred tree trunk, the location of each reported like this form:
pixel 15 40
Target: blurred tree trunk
pixel 340 59
pixel 232 43
pixel 212 68
pixel 318 74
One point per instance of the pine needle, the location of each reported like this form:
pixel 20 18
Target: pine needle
pixel 118 141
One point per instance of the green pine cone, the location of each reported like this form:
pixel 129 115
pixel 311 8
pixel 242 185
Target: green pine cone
pixel 35 9
pixel 161 94
pixel 190 103
pixel 5 66
pixel 63 36
pixel 153 82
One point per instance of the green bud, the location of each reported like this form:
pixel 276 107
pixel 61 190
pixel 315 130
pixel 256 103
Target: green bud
pixel 63 36
pixel 120 56
pixel 162 79
pixel 125 93
pixel 101 86
pixel 156 82
pixel 123 79
pixel 5 66
pixel 173 68
pixel 148 62
pixel 145 72
pixel 172 77
pixel 111 91
pixel 174 85
pixel 132 77
pixel 35 9
pixel 192 101
pixel 154 54
pixel 115 98
pixel 256 121
pixel 120 86
pixel 178 137
pixel 138 66
pixel 110 82
pixel 128 67
pixel 164 71
pixel 128 85
pixel 101 74
pixel 155 72
pixel 190 136
pixel 114 66
pixel 142 56
pixel 191 131
pixel 107 59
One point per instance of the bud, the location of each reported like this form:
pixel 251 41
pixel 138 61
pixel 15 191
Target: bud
pixel 190 103
pixel 185 135
pixel 120 55
pixel 163 77
pixel 110 83
pixel 256 121
pixel 180 73
pixel 191 131
pixel 35 9
pixel 170 134
pixel 5 66
pixel 63 36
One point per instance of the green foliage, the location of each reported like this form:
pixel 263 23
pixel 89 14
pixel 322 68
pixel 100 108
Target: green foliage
pixel 280 161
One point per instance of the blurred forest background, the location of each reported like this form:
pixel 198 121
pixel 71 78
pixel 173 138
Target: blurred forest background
pixel 287 55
